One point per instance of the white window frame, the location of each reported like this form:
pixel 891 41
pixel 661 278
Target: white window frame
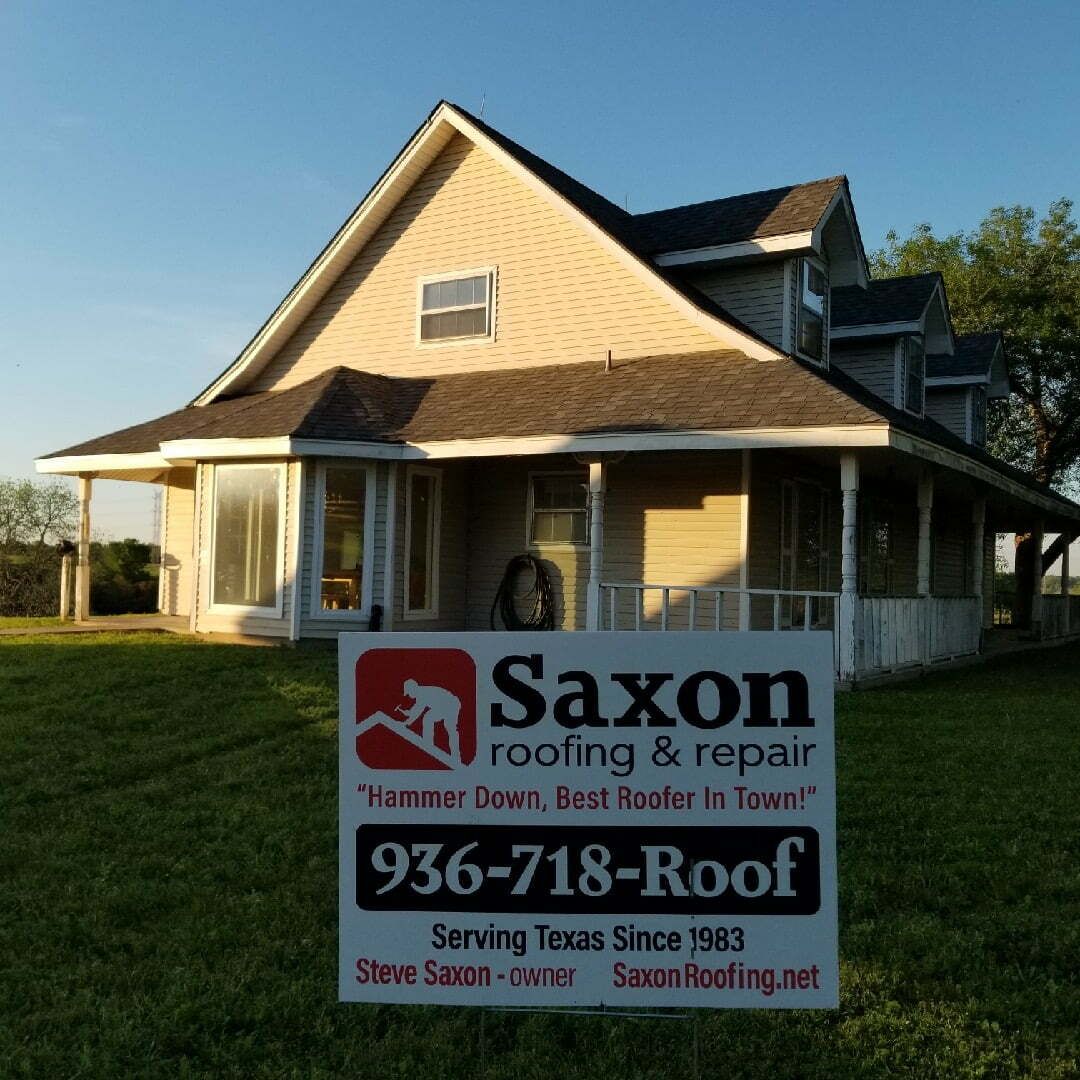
pixel 491 272
pixel 432 611
pixel 805 261
pixel 530 509
pixel 278 610
pixel 363 613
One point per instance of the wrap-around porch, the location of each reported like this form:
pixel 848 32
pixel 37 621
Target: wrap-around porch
pixel 891 554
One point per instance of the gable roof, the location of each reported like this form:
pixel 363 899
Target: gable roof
pixel 884 300
pixel 791 209
pixel 602 218
pixel 974 357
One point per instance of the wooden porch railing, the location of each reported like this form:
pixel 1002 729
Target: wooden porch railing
pixel 902 631
pixel 625 606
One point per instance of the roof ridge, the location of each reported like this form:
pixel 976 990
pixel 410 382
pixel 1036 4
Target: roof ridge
pixel 838 178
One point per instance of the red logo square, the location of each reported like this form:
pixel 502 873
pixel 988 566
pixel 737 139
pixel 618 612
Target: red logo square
pixel 416 708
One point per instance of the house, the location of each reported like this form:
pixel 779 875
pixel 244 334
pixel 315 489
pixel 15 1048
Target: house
pixel 707 416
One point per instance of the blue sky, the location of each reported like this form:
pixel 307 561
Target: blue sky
pixel 168 171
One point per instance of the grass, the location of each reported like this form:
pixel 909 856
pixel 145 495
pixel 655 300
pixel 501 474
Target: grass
pixel 25 622
pixel 168 860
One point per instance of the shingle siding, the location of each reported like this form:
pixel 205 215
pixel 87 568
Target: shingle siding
pixel 949 407
pixel 874 366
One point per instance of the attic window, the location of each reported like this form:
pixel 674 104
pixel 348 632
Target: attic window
pixel 457 307
pixel 813 286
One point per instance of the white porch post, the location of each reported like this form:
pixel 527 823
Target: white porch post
pixel 1067 621
pixel 597 491
pixel 926 507
pixel 65 586
pixel 1038 535
pixel 849 565
pixel 82 567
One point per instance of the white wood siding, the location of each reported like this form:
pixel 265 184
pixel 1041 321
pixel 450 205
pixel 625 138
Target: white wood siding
pixel 178 556
pixel 949 407
pixel 753 293
pixel 872 365
pixel 561 297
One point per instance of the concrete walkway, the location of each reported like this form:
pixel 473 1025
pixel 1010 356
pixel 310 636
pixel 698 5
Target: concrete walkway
pixel 172 624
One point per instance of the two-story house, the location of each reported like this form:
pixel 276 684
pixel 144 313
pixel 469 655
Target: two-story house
pixel 702 417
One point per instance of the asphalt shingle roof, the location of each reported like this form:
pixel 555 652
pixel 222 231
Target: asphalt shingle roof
pixel 974 356
pixel 710 391
pixel 796 208
pixel 899 299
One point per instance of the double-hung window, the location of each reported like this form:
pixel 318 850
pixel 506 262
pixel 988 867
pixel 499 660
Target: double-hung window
pixel 876 565
pixel 804 555
pixel 813 308
pixel 247 553
pixel 558 508
pixel 343 539
pixel 457 307
pixel 913 370
pixel 423 488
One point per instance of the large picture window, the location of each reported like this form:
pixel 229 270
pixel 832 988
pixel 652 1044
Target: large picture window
pixel 247 548
pixel 422 509
pixel 558 508
pixel 457 307
pixel 343 538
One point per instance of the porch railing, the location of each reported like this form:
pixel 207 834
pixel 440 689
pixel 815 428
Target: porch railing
pixel 1060 615
pixel 902 631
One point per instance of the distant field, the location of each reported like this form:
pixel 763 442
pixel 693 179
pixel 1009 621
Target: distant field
pixel 168 859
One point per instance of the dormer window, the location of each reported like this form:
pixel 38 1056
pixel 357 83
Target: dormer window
pixel 457 307
pixel 913 371
pixel 813 288
pixel 978 416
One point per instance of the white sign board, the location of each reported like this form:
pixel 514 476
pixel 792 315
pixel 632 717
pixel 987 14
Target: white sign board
pixel 584 819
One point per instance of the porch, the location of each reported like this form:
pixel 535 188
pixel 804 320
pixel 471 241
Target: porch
pixel 887 553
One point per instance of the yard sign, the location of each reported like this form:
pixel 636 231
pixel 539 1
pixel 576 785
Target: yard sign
pixel 585 819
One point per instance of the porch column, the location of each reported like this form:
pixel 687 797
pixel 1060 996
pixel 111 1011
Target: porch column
pixel 597 491
pixel 1067 621
pixel 1037 579
pixel 849 565
pixel 82 566
pixel 65 585
pixel 926 507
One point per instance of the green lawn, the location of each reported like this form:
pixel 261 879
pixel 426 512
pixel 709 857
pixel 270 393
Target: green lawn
pixel 23 622
pixel 168 869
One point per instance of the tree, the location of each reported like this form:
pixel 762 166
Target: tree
pixel 1021 276
pixel 33 516
pixel 35 512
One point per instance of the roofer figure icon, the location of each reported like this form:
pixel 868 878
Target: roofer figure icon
pixel 431 705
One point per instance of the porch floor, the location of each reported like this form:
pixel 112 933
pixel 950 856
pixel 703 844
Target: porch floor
pixel 173 624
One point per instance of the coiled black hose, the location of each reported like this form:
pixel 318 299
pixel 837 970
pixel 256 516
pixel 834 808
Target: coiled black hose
pixel 541 615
